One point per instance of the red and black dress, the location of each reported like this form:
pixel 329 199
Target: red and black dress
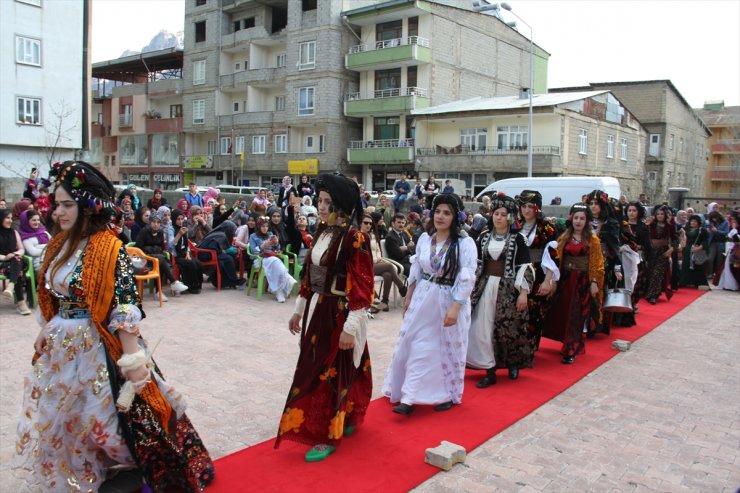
pixel 662 237
pixel 331 387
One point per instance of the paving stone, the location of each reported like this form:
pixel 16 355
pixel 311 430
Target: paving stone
pixel 445 455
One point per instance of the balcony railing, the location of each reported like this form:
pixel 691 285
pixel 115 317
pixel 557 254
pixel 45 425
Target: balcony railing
pixel 440 150
pixel 390 43
pixel 390 93
pixel 386 143
pixel 726 146
pixel 125 120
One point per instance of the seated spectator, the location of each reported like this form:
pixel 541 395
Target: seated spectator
pixel 222 213
pixel 157 200
pixel 448 187
pixel 198 228
pixel 244 227
pixel 402 188
pixel 398 244
pixel 259 203
pixel 141 220
pixel 278 227
pixel 183 205
pixel 11 262
pixel 380 224
pixel 191 270
pixel 310 212
pixel 414 226
pixel 384 207
pixel 381 267
pixel 151 241
pixel 164 214
pixel 556 201
pixel 33 235
pixel 220 240
pixel 265 244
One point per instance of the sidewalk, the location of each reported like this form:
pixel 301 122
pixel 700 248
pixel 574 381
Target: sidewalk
pixel 662 417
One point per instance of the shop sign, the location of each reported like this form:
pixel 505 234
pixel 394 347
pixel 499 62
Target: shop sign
pixel 303 167
pixel 167 177
pixel 198 162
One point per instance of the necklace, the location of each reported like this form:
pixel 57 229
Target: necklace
pixel 435 256
pixel 499 237
pixel 575 240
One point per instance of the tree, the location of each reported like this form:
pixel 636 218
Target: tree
pixel 58 132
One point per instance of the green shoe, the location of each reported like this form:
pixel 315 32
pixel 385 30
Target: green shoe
pixel 319 452
pixel 349 429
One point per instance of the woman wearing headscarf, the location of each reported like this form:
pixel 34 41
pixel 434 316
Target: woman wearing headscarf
pixel 198 226
pixel 308 210
pixel 663 241
pixel 104 401
pixel 184 206
pixel 141 221
pixel 541 238
pixel 190 268
pixel 606 226
pixel 635 214
pixel 332 384
pixel 152 240
pixel 278 226
pixel 34 236
pixel 576 305
pixel 730 277
pixel 157 200
pixel 130 192
pixel 220 240
pixel 499 327
pixel 697 240
pixel 267 245
pixel 18 208
pixel 165 217
pixel 629 249
pixel 287 191
pixel 428 365
pixel 717 227
pixel 11 262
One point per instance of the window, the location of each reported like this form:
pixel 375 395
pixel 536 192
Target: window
pixel 239 144
pixel 306 103
pixel 670 142
pixel 610 146
pixel 200 3
pixel 258 144
pixel 309 5
pixel 199 72
pixel 386 128
pixel 680 146
pixel 125 119
pixel 279 103
pixel 100 119
pixel 623 150
pixel 225 146
pixel 474 138
pixel 236 106
pixel 211 147
pixel 175 110
pixel 27 51
pixel 237 26
pixel 582 141
pixel 322 143
pixel 133 150
pixel 165 150
pixel 281 144
pixel 654 147
pixel 237 67
pixel 387 79
pixel 29 111
pixel 510 137
pixel 249 22
pixel 200 31
pixel 281 60
pixel 309 143
pixel 307 55
pixel 199 111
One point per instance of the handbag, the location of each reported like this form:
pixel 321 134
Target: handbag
pixel 700 257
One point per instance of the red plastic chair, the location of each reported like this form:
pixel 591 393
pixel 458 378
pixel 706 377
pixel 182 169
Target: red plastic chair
pixel 213 262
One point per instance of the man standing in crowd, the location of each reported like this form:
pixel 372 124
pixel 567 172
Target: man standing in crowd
pixel 193 196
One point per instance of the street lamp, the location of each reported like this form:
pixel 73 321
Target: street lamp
pixel 506 6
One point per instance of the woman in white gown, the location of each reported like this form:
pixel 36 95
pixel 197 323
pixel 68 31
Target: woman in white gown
pixel 267 245
pixel 428 365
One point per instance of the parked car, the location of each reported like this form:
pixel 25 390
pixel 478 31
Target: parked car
pixel 120 188
pixel 239 189
pixel 187 189
pixel 568 188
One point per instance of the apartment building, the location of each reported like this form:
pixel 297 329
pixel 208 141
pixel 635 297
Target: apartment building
pixel 481 140
pixel 262 94
pixel 43 75
pixel 137 131
pixel 676 153
pixel 723 167
pixel 410 55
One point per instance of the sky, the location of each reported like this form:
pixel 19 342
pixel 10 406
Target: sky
pixel 695 44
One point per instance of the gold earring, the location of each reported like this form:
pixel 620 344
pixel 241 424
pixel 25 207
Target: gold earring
pixel 332 220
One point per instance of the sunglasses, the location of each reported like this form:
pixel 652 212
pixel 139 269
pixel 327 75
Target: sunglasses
pixel 367 223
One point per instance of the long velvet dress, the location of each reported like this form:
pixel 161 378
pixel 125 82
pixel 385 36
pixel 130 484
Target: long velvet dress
pixel 499 334
pixel 662 237
pixel 608 232
pixel 573 309
pixel 70 431
pixel 428 365
pixel 331 387
pixel 635 240
pixel 693 275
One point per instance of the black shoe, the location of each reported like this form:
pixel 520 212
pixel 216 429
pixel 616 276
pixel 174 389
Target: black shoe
pixel 403 409
pixel 488 380
pixel 513 373
pixel 568 360
pixel 193 291
pixel 403 290
pixel 652 301
pixel 445 406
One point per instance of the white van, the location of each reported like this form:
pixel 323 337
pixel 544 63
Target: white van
pixel 570 189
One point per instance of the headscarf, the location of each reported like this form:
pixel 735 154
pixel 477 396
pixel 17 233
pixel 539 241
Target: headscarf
pixel 345 194
pixel 19 207
pixel 695 217
pixel 175 214
pixel 161 212
pixel 88 186
pixel 157 202
pixel 136 203
pixel 27 232
pixel 193 209
pixel 711 206
pixel 8 242
pixel 306 201
pixel 222 235
pixel 287 182
pixel 184 206
pixel 680 221
pixel 274 210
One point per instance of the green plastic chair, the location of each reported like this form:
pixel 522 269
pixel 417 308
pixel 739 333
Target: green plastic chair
pixel 257 270
pixel 31 276
pixel 297 267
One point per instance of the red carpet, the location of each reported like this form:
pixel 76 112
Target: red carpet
pixel 386 454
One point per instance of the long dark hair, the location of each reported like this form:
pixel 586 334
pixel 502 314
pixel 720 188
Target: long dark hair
pixel 452 262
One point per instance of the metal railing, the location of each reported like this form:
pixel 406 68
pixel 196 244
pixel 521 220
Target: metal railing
pixel 440 150
pixel 385 143
pixel 390 43
pixel 125 120
pixel 390 93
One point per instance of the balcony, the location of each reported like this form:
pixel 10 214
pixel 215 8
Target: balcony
pixel 724 173
pixel 389 151
pixel 545 159
pixel 126 120
pixel 728 146
pixel 242 37
pixel 259 77
pixel 391 53
pixel 163 125
pixel 252 118
pixel 396 101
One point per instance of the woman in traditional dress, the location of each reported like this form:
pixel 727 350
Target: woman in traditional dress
pixel 629 249
pixel 641 242
pixel 606 226
pixel 662 242
pixel 540 236
pixel 731 273
pixel 71 431
pixel 428 365
pixel 697 240
pixel 333 382
pixel 499 327
pixel 578 298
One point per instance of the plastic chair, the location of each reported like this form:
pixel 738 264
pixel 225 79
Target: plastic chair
pixel 151 275
pixel 211 262
pixel 258 271
pixel 30 275
pixel 297 267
